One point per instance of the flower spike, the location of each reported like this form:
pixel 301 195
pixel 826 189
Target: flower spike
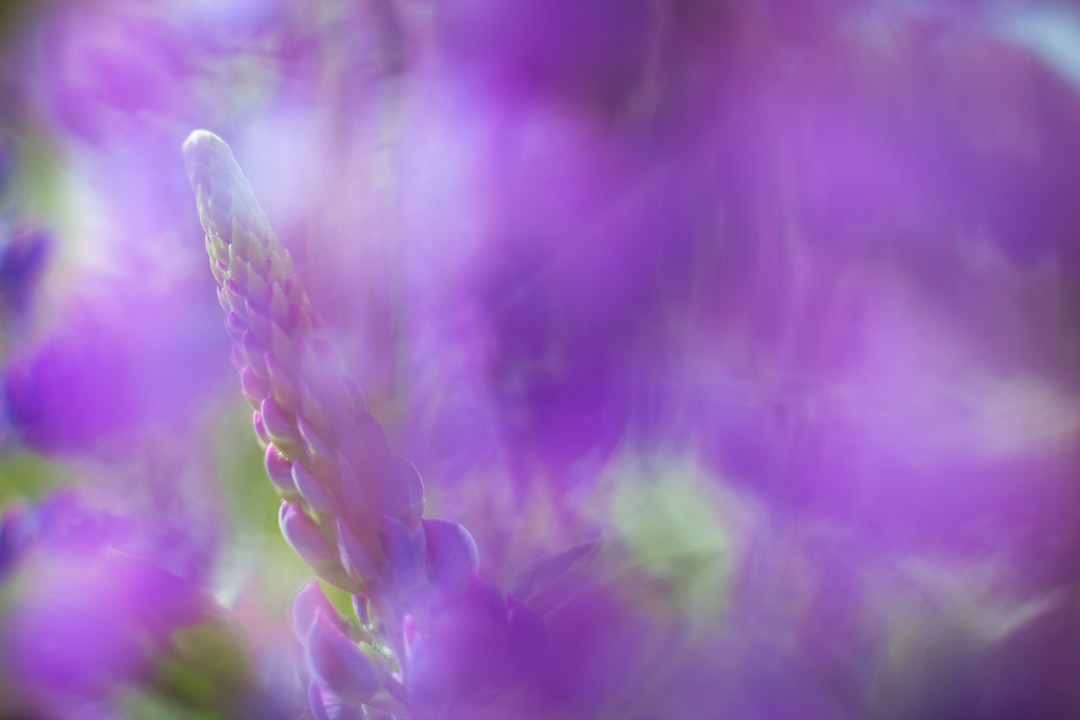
pixel 309 415
pixel 351 508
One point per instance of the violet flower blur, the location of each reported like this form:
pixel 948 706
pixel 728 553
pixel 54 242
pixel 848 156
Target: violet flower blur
pixel 735 344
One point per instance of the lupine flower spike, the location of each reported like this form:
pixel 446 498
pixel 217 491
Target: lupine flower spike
pixel 351 508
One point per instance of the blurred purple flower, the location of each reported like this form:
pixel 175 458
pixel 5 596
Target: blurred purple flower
pixel 338 664
pixel 467 646
pixel 120 365
pixel 89 613
pixel 596 52
pixel 787 263
pixel 112 64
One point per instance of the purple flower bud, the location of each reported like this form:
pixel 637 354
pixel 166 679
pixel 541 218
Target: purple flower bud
pixel 260 428
pixel 320 361
pixel 280 427
pixel 355 558
pixel 359 604
pixel 235 324
pixel 279 469
pixel 282 346
pixel 308 603
pixel 260 330
pixel 304 536
pixel 220 272
pixel 401 491
pixel 452 556
pixel 231 297
pixel 313 492
pixel 404 553
pixel 325 705
pixel 254 387
pixel 252 353
pixel 233 259
pixel 257 289
pixel 281 272
pixel 367 448
pixel 247 246
pixel 283 312
pixel 317 448
pixel 338 663
pixel 356 494
pixel 282 383
pixel 312 405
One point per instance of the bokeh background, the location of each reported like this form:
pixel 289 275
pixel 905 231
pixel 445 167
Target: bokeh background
pixel 778 299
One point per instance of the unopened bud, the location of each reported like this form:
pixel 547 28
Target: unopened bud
pixel 452 556
pixel 281 428
pixel 338 663
pixel 310 601
pixel 404 553
pixel 355 558
pixel 254 387
pixel 313 492
pixel 279 470
pixel 304 536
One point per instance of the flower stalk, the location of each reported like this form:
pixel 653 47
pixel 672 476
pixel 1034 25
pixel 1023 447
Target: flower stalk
pixel 351 508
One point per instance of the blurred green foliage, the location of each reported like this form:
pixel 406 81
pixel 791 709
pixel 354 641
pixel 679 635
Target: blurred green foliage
pixel 203 677
pixel 680 530
pixel 27 477
pixel 257 556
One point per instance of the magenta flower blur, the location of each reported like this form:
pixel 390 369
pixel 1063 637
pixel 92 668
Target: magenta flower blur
pixel 111 64
pixel 627 359
pixel 94 609
pixel 117 367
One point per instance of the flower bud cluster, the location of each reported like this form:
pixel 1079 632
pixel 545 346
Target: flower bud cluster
pixel 351 508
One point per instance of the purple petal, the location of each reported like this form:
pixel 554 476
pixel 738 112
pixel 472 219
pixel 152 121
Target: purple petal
pixel 279 469
pixel 308 603
pixel 355 557
pixel 303 535
pixel 325 705
pixel 405 554
pixel 452 556
pixel 313 492
pixel 338 664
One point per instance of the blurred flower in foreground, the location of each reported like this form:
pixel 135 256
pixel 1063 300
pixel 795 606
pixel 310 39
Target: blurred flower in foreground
pixel 87 615
pixel 123 363
pixel 96 619
pixel 112 64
